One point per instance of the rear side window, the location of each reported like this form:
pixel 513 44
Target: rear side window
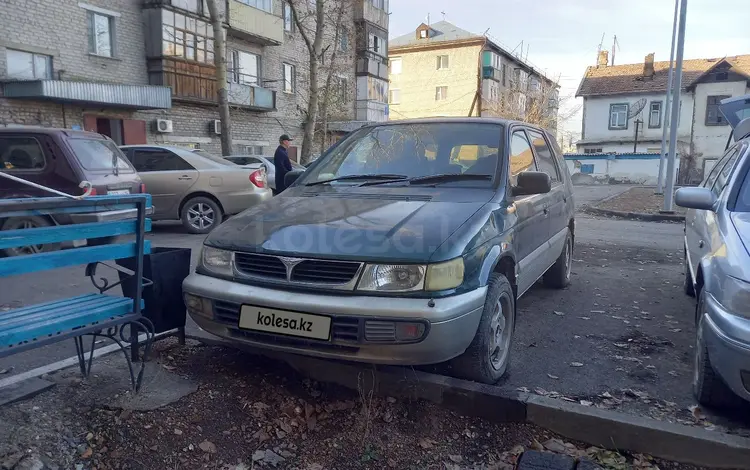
pixel 146 160
pixel 521 156
pixel 98 154
pixel 725 173
pixel 21 154
pixel 545 157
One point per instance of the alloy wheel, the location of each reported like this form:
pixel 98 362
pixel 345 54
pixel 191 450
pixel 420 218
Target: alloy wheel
pixel 501 328
pixel 201 216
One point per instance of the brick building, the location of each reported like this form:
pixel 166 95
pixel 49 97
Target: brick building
pixel 142 71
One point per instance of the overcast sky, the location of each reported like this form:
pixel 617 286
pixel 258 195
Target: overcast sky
pixel 563 35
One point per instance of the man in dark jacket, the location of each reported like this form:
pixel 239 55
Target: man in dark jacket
pixel 281 162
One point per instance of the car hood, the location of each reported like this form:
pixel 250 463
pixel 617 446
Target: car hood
pixel 373 227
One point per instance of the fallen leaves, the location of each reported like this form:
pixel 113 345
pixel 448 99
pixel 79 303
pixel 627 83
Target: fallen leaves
pixel 576 364
pixel 208 447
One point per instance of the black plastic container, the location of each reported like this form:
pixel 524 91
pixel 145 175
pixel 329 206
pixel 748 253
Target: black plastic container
pixel 166 268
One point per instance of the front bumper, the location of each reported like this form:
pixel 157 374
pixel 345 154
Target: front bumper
pixel 453 321
pixel 727 337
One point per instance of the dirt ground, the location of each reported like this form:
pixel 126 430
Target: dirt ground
pixel 638 199
pixel 249 412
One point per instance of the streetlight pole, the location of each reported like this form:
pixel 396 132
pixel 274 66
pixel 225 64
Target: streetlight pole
pixel 675 119
pixel 670 93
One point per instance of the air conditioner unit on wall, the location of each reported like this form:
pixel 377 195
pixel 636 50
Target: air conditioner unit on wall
pixel 164 126
pixel 215 126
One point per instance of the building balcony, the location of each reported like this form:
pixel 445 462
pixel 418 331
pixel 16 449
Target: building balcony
pixel 491 73
pixel 369 63
pixel 254 25
pixel 252 97
pixel 91 93
pixel 364 10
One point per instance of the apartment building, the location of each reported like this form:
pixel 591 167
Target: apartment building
pixel 144 71
pixel 624 108
pixel 442 70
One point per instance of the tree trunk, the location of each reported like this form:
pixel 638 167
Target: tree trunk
pixel 222 83
pixel 308 130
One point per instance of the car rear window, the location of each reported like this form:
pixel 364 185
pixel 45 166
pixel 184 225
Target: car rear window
pixel 21 154
pixel 98 154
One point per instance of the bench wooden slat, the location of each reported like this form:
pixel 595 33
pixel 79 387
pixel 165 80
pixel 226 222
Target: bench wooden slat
pixel 22 316
pixel 62 233
pixel 59 259
pixel 108 307
pixel 43 307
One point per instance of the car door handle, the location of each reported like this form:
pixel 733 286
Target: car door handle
pixel 546 211
pixel 700 244
pixel 185 177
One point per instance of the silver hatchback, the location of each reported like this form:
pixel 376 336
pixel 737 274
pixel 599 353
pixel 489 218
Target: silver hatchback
pixel 717 257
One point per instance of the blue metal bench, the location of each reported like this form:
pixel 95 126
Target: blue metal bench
pixel 99 314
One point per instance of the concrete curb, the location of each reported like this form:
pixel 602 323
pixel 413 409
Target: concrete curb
pixel 635 215
pixel 604 428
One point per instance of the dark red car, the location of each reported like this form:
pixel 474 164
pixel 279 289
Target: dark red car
pixel 61 159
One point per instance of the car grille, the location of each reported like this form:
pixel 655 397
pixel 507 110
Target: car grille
pixel 344 329
pixel 260 265
pixel 308 271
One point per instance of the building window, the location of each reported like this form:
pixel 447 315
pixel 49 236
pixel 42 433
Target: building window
pixel 28 66
pixel 343 40
pixel 593 150
pixel 396 66
pixel 618 116
pixel 265 5
pixel 442 62
pixel 101 34
pixel 253 150
pixel 378 45
pixel 713 116
pixel 395 96
pixel 441 93
pixel 289 78
pixel 342 89
pixel 654 115
pixel 193 6
pixel 186 37
pixel 288 18
pixel 380 4
pixel 245 68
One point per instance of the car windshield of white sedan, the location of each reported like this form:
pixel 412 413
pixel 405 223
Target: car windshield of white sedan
pixel 455 154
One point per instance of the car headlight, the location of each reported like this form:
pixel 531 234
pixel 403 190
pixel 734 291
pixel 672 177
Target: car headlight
pixel 445 276
pixel 735 296
pixel 217 261
pixel 392 278
pixel 412 277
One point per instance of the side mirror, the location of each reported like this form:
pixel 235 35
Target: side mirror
pixel 695 198
pixel 532 182
pixel 291 177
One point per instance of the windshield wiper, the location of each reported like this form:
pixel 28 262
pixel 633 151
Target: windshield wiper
pixel 444 178
pixel 380 176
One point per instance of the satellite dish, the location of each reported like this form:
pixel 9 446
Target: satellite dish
pixel 636 108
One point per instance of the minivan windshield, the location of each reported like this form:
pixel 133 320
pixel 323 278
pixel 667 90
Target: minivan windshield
pixel 457 153
pixel 96 154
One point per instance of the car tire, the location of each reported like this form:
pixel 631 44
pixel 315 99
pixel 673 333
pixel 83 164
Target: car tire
pixel 23 222
pixel 487 358
pixel 688 286
pixel 200 215
pixel 558 276
pixel 708 387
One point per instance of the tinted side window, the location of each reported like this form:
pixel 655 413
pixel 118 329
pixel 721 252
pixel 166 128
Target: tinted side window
pixel 545 157
pixel 723 176
pixel 521 156
pixel 21 154
pixel 711 178
pixel 158 160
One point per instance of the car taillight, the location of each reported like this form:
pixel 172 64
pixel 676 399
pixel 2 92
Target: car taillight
pixel 93 192
pixel 258 178
pixel 143 188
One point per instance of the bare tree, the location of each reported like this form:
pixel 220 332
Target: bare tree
pixel 222 84
pixel 333 94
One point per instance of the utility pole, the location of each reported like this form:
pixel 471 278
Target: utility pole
pixel 669 191
pixel 670 92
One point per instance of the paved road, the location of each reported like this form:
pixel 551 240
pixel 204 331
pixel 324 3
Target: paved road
pixel 586 195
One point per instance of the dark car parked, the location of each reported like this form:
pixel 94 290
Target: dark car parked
pixel 61 159
pixel 408 243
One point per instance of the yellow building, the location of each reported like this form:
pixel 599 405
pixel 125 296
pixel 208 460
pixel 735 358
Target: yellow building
pixel 443 70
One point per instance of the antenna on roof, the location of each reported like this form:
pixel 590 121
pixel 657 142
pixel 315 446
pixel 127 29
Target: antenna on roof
pixel 615 46
pixel 486 31
pixel 443 13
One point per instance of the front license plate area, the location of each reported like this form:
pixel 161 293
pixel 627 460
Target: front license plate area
pixel 284 322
